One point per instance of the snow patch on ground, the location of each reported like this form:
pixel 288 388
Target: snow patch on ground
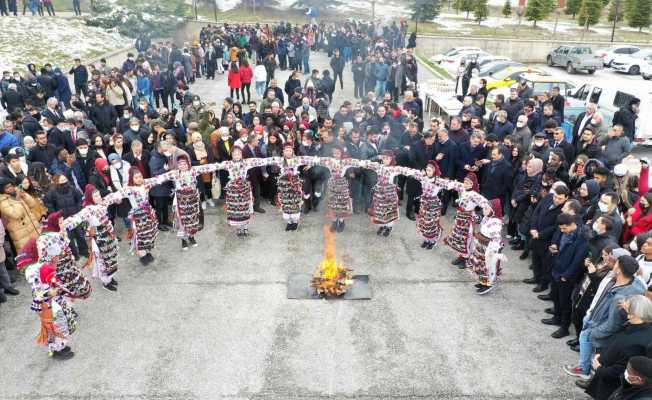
pixel 55 40
pixel 458 23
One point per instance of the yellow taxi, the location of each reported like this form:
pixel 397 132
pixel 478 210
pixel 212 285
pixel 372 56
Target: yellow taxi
pixel 509 76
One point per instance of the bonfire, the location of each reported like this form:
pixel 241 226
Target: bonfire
pixel 331 279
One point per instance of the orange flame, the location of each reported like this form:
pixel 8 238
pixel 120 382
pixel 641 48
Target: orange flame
pixel 328 265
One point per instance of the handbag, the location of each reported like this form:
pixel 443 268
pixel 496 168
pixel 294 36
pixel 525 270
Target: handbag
pixel 216 189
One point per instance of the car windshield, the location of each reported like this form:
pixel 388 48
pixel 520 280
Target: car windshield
pixel 642 54
pixel 451 52
pixel 581 50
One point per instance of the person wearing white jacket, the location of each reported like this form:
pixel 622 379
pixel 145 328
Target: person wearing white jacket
pixel 260 77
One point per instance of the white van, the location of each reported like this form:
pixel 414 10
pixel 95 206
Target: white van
pixel 610 98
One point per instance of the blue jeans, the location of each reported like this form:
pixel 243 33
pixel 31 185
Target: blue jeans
pixel 380 90
pixel 586 349
pixel 306 64
pixel 260 88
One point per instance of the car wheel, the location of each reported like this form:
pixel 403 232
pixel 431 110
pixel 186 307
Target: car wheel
pixel 634 70
pixel 550 64
pixel 647 77
pixel 590 71
pixel 569 68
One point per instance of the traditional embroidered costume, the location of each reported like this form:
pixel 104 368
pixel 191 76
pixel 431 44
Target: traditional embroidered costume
pixel 142 215
pixel 384 203
pixel 340 205
pixel 486 257
pixel 53 247
pixel 290 192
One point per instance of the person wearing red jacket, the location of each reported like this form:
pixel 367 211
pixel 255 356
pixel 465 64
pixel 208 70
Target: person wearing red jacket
pixel 234 80
pixel 639 218
pixel 246 75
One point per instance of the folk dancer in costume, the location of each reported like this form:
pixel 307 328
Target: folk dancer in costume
pixel 290 192
pixel 104 243
pixel 486 257
pixel 142 215
pixel 384 202
pixel 239 202
pixel 430 206
pixel 339 201
pixel 187 200
pixel 57 318
pixel 461 236
pixel 53 247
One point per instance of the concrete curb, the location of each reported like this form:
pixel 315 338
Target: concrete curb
pixel 428 67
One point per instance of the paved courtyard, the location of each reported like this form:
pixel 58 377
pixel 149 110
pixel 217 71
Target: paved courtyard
pixel 214 322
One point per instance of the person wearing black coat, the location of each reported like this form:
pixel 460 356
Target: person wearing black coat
pixel 80 77
pixel 446 152
pixel 12 100
pixel 626 117
pixel 469 154
pixel 103 115
pixel 496 180
pixel 29 125
pixel 337 64
pixel 630 342
pixel 57 137
pixel 65 198
pixel 161 194
pixel 255 175
pixel 43 152
pixel 420 153
pixel 543 225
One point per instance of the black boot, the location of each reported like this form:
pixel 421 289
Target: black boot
pixel 306 206
pixel 388 230
pixel 288 227
pixel 315 203
pixel 184 244
pixel 380 230
pixel 409 214
pixel 192 241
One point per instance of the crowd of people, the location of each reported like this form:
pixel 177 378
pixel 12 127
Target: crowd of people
pixel 134 144
pixel 35 7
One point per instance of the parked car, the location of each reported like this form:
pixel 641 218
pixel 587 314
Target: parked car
pixel 610 97
pixel 575 58
pixel 509 76
pixel 452 53
pixel 646 70
pixel 452 63
pixel 540 84
pixel 495 66
pixel 610 53
pixel 631 64
pixel 490 58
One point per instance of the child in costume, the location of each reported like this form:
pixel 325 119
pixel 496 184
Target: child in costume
pixel 53 247
pixel 239 204
pixel 104 244
pixel 290 192
pixel 142 215
pixel 339 200
pixel 461 236
pixel 385 193
pixel 486 257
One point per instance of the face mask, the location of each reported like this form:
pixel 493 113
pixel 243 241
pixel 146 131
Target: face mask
pixel 83 152
pixel 126 115
pixel 195 103
pixel 538 144
pixel 603 206
pixel 305 144
pixel 134 128
pixel 167 153
pixel 626 376
pixel 595 227
pixel 633 246
pixel 594 122
pixel 305 106
pixel 466 119
pixel 358 120
pixel 520 124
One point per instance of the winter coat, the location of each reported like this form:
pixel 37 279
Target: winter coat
pixel 447 164
pixel 502 129
pixel 157 163
pixel 234 80
pixel 104 117
pixel 615 149
pixel 246 75
pixel 567 264
pixel 631 342
pixel 496 180
pixel 627 119
pixel 63 198
pixel 19 218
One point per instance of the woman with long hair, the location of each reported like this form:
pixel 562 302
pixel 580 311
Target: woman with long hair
pixel 233 80
pixel 246 76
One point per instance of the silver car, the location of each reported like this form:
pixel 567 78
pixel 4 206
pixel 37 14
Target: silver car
pixel 575 58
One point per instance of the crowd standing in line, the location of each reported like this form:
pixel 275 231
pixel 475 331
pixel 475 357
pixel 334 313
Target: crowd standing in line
pixel 133 143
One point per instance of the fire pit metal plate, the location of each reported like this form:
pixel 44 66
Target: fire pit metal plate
pixel 299 288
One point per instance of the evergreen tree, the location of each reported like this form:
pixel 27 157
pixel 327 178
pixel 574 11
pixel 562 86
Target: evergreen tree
pixel 480 10
pixel 425 10
pixel 638 13
pixel 589 13
pixel 464 5
pixel 507 9
pixel 536 10
pixel 573 7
